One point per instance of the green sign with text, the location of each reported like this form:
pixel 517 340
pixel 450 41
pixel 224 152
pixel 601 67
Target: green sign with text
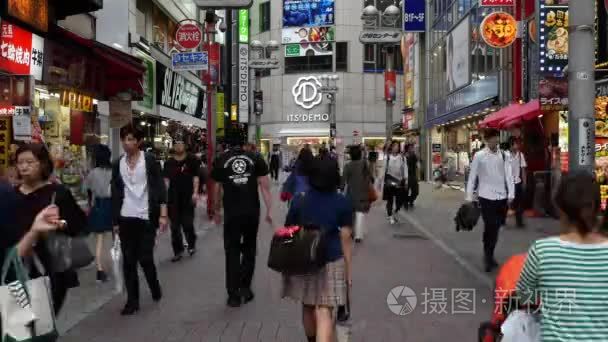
pixel 292 50
pixel 243 26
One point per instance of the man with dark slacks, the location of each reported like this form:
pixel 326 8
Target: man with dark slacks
pixel 491 178
pixel 240 173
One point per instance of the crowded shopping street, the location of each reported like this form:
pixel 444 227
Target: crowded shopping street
pixel 304 170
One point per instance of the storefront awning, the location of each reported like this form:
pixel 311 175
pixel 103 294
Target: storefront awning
pixel 123 72
pixel 513 113
pixel 458 114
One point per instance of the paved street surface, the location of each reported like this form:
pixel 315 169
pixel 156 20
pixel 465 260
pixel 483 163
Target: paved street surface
pixel 423 252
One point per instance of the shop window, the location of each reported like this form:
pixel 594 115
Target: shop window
pixel 342 56
pixel 265 16
pixel 294 65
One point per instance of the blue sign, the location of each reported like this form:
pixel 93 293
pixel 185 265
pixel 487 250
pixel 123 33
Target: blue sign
pixel 306 13
pixel 190 61
pixel 462 102
pixel 414 16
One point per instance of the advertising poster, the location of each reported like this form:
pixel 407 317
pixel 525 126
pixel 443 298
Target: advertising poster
pixel 553 93
pixel 308 13
pixel 458 56
pixel 408 53
pixel 554 37
pixel 601 137
pixel 148 80
pixel 390 83
pixel 308 41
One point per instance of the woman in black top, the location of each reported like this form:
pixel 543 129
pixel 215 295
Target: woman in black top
pixel 33 195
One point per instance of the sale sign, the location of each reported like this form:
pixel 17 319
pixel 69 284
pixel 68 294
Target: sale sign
pixel 188 36
pixel 21 52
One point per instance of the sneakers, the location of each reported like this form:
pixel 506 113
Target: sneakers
pixel 392 220
pixel 191 251
pixel 102 277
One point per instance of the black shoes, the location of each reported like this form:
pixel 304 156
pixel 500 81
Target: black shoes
pixel 247 295
pixel 129 309
pixel 102 277
pixel 177 257
pixel 234 301
pixel 191 251
pixel 358 240
pixel 490 264
pixel 157 295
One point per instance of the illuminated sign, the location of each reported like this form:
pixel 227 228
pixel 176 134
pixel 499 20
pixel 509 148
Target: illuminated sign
pixel 76 101
pixel 499 29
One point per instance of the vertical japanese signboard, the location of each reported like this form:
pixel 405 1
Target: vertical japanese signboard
pixel 243 83
pixel 243 26
pixel 414 16
pixel 553 36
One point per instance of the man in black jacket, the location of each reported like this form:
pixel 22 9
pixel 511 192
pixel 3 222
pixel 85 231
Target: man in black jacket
pixel 139 207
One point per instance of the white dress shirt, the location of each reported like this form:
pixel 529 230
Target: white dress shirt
pixel 135 204
pixel 494 172
pixel 397 166
pixel 518 162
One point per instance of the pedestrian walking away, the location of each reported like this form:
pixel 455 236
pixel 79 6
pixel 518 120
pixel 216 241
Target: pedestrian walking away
pixel 323 292
pixel 275 163
pixel 395 179
pixel 98 184
pixel 519 165
pixel 413 189
pixel 181 174
pixel 139 209
pixel 240 173
pixel 356 180
pixel 491 180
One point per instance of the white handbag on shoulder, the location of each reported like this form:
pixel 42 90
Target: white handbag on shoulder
pixel 521 326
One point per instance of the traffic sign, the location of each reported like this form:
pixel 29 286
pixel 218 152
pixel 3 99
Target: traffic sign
pixel 190 61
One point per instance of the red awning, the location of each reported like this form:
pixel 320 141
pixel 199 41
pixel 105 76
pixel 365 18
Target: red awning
pixel 123 72
pixel 528 111
pixel 515 112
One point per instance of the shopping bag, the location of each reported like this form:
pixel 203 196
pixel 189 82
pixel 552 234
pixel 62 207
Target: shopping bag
pixel 26 308
pixel 521 326
pixel 116 255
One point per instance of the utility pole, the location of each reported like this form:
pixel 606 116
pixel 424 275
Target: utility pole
pixel 581 85
pixel 389 101
pixel 258 115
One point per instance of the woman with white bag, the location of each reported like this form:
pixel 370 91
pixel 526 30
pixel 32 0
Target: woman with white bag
pixel 357 179
pixel 569 273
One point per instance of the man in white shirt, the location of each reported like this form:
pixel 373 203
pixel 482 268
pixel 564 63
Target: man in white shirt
pixel 491 178
pixel 519 166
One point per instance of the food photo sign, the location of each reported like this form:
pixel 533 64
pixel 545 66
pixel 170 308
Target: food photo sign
pixel 499 29
pixel 554 36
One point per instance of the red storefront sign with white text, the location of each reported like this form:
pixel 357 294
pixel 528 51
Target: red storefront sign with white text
pixel 21 52
pixel 490 3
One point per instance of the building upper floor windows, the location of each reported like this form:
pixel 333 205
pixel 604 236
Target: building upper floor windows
pixel 265 16
pixel 375 57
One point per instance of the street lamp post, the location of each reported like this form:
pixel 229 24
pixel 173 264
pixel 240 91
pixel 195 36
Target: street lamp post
pixel 262 61
pixel 330 88
pixel 382 30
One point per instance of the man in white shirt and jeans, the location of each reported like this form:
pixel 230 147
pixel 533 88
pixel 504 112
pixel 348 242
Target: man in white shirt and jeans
pixel 519 166
pixel 491 178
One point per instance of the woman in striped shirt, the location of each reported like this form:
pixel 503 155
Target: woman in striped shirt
pixel 569 273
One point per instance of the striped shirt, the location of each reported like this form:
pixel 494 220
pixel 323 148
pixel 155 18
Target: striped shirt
pixel 571 281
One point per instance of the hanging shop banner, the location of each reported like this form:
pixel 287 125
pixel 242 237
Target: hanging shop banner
pixel 408 54
pixel 499 29
pixel 22 51
pixel 390 85
pixel 34 13
pixel 553 38
pixel 120 113
pixel 174 91
pixel 148 81
pixel 212 73
pixel 553 93
pixel 188 35
pixel 414 16
pixel 193 61
pixel 243 26
pixel 308 13
pixel 496 3
pixel 243 83
pixel 458 56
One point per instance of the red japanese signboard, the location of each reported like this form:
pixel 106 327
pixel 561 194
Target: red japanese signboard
pixel 21 52
pixel 492 3
pixel 390 84
pixel 188 36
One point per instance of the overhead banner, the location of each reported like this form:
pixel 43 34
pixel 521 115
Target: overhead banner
pixel 243 83
pixel 22 51
pixel 175 92
pixel 414 16
pixel 308 13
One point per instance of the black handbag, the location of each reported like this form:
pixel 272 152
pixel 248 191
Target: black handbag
pixel 300 253
pixel 68 253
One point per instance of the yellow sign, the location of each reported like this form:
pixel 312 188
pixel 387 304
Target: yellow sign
pixel 76 101
pixel 5 124
pixel 234 112
pixel 219 115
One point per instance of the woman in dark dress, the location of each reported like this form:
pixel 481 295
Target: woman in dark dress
pixel 33 195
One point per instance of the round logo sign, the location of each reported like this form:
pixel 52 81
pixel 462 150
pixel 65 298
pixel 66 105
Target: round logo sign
pixel 306 92
pixel 499 29
pixel 188 36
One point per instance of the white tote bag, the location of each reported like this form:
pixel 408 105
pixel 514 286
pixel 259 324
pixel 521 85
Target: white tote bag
pixel 116 255
pixel 521 326
pixel 26 306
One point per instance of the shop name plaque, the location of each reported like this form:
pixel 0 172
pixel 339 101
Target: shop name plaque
pixel 308 117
